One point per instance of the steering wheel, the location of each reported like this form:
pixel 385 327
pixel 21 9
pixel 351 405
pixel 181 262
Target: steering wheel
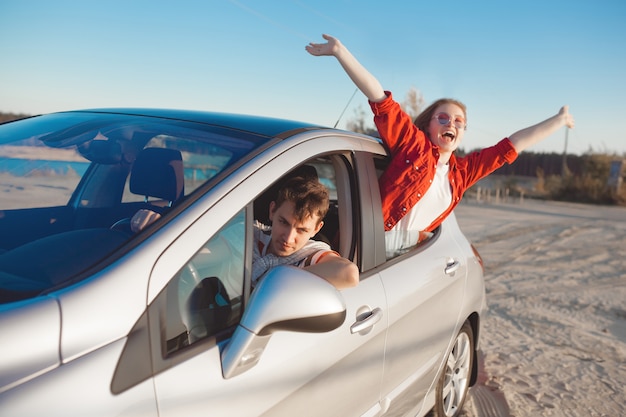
pixel 122 225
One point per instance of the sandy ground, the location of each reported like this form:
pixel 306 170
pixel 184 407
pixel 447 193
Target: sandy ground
pixel 554 339
pixel 46 191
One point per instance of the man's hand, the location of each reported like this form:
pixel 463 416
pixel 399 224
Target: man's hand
pixel 143 218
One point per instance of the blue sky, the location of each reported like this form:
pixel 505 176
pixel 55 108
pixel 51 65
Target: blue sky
pixel 513 63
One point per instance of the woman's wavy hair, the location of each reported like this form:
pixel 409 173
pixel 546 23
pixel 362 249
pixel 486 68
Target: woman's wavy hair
pixel 423 119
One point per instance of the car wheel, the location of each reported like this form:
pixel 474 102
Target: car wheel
pixel 454 381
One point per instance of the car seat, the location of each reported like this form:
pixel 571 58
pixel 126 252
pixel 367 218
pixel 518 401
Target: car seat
pixel 157 174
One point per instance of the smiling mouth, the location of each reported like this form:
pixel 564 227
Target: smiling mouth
pixel 449 135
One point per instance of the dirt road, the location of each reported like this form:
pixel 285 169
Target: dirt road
pixel 554 338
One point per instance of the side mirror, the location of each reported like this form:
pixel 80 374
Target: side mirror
pixel 288 298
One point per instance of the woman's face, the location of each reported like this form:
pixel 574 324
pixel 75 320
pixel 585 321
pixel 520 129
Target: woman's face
pixel 447 127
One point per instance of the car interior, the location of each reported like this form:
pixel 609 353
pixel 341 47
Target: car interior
pixel 69 248
pixel 158 176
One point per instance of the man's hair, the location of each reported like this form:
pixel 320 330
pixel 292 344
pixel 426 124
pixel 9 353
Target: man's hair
pixel 423 119
pixel 309 197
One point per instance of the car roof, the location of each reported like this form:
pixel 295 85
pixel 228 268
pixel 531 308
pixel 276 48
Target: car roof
pixel 268 126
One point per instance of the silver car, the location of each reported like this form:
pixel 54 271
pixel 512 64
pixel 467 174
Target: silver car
pixel 99 320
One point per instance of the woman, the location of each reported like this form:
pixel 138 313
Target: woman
pixel 425 180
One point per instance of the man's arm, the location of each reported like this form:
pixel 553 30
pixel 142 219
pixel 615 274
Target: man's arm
pixel 337 270
pixel 525 138
pixel 365 81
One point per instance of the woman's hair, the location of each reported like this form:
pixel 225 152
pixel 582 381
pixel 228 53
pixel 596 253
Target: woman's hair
pixel 308 195
pixel 423 119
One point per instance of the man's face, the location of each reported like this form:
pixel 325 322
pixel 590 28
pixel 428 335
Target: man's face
pixel 289 234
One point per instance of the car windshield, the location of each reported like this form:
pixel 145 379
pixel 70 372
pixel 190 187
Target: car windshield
pixel 67 178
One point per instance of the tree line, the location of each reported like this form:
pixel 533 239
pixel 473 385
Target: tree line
pixel 7 117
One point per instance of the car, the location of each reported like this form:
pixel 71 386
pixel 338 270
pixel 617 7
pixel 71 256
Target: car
pixel 99 319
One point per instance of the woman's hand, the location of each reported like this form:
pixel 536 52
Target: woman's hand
pixel 357 73
pixel 567 117
pixel 324 49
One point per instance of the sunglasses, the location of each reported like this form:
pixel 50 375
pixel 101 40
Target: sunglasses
pixel 444 119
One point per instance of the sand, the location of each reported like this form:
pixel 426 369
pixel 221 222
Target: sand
pixel 554 338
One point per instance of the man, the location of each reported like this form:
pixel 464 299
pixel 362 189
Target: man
pixel 297 215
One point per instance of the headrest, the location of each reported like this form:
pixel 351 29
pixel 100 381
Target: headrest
pixel 158 172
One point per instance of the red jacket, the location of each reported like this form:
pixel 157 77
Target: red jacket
pixel 414 160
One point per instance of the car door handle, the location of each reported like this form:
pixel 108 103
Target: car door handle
pixel 451 267
pixel 367 322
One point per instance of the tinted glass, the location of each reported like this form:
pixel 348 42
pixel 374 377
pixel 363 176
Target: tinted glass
pixel 205 297
pixel 67 178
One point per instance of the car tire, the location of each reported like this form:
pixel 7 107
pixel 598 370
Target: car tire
pixel 454 381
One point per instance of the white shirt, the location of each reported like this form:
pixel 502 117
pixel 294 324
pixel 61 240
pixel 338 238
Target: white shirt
pixel 435 201
pixel 309 254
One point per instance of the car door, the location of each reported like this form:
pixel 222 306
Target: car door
pixel 424 289
pixel 333 373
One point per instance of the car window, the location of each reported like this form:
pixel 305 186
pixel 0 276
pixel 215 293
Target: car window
pixel 33 176
pixel 205 297
pixel 200 162
pixel 336 173
pixel 326 174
